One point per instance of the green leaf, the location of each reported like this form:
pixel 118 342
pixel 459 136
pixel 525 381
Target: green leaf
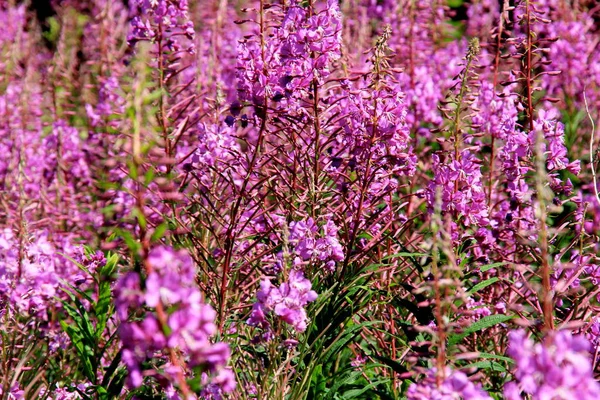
pixel 496 357
pixel 355 393
pixel 132 169
pixel 117 383
pixel 318 381
pixel 85 324
pixel 159 232
pixel 53 32
pixel 487 364
pixel 394 365
pixel 78 265
pixel 483 284
pixel 140 217
pixel 110 370
pixel 491 266
pixel 149 177
pixel 75 291
pixel 352 378
pixel 455 3
pixel 154 95
pixel 483 323
pixel 103 308
pixel 82 334
pixel 404 254
pixel 131 242
pixel 84 351
pixel 346 337
pixel 111 265
pixel 74 335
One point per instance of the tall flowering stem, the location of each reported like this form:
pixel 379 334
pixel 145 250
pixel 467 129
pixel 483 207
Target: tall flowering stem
pixel 466 76
pixel 378 74
pixel 439 306
pixel 231 233
pixel 546 296
pixel 144 240
pixel 499 32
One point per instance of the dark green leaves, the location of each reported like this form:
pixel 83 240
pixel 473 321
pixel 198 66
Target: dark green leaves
pixel 85 321
pixel 482 324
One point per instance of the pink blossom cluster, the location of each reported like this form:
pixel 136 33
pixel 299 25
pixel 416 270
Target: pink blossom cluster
pixel 307 245
pixel 559 367
pixel 300 51
pixel 455 385
pixel 181 321
pixel 285 302
pixel 162 17
pixel 299 198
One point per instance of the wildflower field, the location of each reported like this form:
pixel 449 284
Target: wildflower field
pixel 300 199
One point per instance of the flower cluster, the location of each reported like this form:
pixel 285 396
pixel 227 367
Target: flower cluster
pixel 456 385
pixel 483 17
pixel 14 20
pixel 514 213
pixel 416 163
pixel 301 50
pixel 307 245
pixel 217 150
pixel 512 155
pixel 158 18
pixel 68 155
pixel 558 368
pixel 52 166
pixel 180 320
pixel 32 272
pixel 458 183
pixel 286 302
pixel 110 103
pixel 309 44
pixel 429 65
pixel 571 60
pixel 556 152
pixel 376 130
pixel 495 116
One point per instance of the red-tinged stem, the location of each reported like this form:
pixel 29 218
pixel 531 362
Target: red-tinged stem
pixel 144 240
pixel 546 295
pixel 230 234
pixel 495 83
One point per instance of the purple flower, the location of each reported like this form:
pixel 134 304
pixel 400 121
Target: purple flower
pixel 559 367
pixel 460 187
pixel 495 115
pixel 167 16
pixel 128 294
pixel 110 102
pixel 33 273
pixel 301 50
pixel 555 151
pixel 307 244
pixel 223 382
pixel 14 392
pixel 456 385
pixel 189 323
pixel 286 302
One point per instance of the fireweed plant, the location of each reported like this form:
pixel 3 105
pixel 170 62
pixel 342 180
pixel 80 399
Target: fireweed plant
pixel 299 199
